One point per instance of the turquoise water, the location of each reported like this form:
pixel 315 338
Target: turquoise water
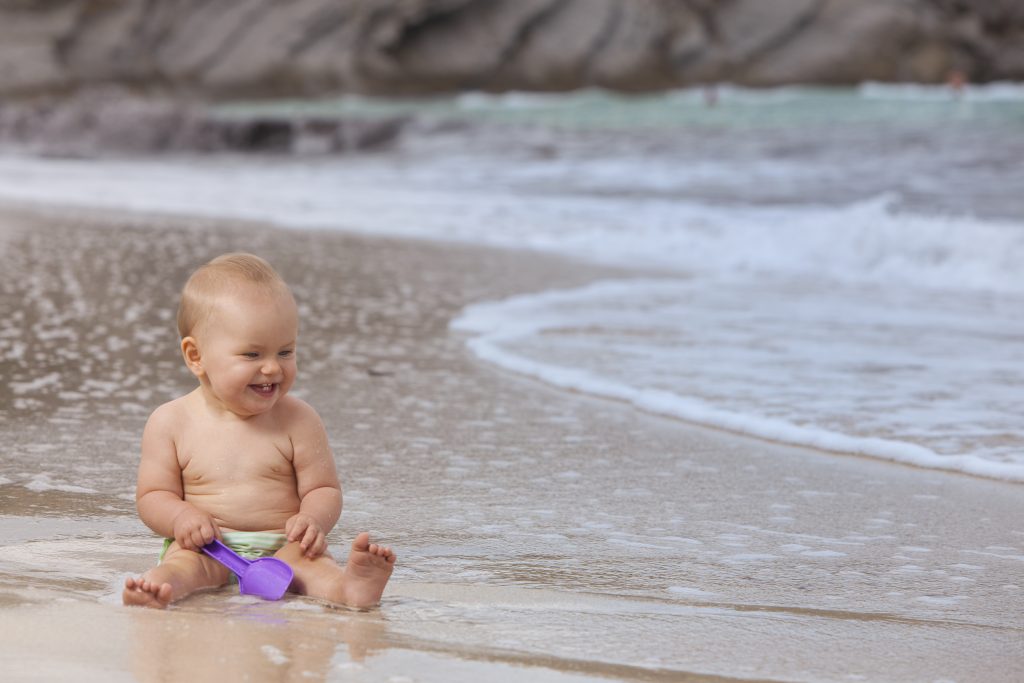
pixel 732 107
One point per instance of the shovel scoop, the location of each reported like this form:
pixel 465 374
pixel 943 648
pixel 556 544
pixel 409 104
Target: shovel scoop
pixel 266 577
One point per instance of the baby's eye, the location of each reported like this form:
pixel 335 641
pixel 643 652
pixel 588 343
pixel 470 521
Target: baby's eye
pixel 286 354
pixel 251 355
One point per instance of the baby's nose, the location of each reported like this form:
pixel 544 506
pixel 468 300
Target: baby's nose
pixel 270 367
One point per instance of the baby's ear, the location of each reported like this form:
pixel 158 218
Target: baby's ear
pixel 190 352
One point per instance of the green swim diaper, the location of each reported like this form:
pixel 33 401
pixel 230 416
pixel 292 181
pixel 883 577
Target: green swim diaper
pixel 249 544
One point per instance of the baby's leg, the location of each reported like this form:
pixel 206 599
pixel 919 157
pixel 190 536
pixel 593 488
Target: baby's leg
pixel 181 572
pixel 359 584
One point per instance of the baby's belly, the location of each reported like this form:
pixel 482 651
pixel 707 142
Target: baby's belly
pixel 247 508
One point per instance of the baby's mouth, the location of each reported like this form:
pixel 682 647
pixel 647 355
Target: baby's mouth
pixel 265 390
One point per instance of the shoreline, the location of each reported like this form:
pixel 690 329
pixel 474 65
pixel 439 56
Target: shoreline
pixel 530 521
pixel 484 342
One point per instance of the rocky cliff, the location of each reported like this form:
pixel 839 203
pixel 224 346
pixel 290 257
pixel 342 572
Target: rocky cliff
pixel 219 48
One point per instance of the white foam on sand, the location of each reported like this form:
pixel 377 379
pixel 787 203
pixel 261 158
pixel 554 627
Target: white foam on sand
pixel 691 592
pixel 48 380
pixel 779 395
pixel 44 482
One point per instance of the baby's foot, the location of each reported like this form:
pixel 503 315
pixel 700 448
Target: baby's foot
pixel 145 593
pixel 367 572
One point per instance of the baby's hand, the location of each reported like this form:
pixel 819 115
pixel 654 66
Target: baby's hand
pixel 307 531
pixel 194 528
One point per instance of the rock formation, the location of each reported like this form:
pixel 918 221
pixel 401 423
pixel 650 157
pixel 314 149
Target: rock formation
pixel 218 49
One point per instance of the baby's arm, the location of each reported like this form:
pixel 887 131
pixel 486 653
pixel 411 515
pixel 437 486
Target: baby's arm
pixel 159 495
pixel 317 483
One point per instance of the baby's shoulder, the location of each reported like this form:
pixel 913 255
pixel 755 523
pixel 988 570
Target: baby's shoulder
pixel 302 423
pixel 295 410
pixel 169 415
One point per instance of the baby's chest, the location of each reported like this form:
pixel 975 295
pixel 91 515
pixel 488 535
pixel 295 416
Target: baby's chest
pixel 227 456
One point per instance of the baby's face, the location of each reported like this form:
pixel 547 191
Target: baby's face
pixel 247 347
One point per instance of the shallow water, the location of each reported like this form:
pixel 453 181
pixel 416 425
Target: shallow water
pixel 856 369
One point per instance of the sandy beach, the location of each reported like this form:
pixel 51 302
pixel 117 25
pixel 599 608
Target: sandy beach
pixel 542 535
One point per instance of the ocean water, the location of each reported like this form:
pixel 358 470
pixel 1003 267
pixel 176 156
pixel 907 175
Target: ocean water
pixel 833 268
pixel 829 268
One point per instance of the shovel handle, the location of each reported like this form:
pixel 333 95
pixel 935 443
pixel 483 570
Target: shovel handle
pixel 226 556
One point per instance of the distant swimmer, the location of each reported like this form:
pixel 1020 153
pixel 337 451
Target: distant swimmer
pixel 957 82
pixel 710 95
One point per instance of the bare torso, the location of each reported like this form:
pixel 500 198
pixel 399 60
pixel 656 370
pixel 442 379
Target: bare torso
pixel 239 471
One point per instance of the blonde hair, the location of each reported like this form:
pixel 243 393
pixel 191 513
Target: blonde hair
pixel 222 275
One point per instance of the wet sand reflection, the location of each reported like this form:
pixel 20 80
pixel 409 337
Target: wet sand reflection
pixel 217 637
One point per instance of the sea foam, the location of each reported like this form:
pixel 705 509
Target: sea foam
pixel 794 366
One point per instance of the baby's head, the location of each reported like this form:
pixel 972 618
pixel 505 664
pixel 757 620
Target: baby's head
pixel 227 275
pixel 238 324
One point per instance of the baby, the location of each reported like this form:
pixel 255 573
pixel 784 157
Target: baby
pixel 238 458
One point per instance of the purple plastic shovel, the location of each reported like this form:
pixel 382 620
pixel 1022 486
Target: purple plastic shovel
pixel 267 577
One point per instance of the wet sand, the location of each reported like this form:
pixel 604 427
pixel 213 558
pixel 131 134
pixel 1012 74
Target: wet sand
pixel 542 535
